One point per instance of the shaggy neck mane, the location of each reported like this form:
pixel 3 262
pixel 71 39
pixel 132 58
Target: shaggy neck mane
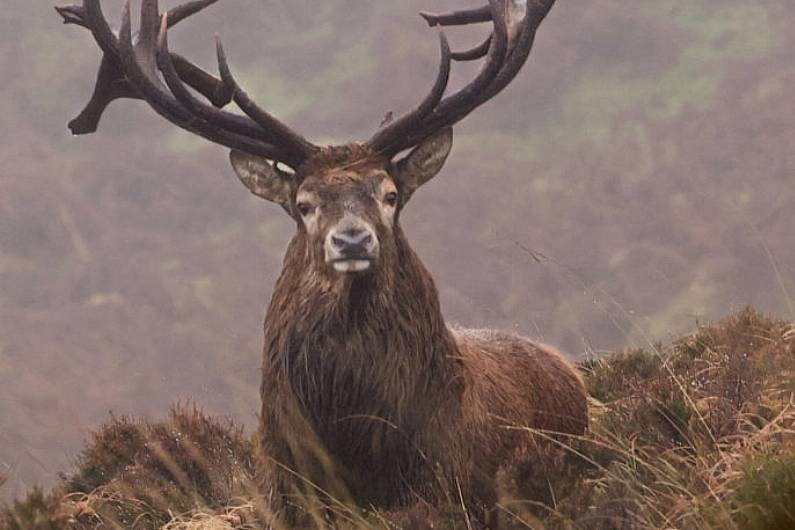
pixel 360 352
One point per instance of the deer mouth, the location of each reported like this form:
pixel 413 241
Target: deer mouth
pixel 351 265
pixel 351 246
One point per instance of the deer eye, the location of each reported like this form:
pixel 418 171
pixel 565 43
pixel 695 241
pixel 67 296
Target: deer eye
pixel 391 198
pixel 304 208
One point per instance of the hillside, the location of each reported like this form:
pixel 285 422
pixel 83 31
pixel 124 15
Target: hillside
pixel 697 434
pixel 636 178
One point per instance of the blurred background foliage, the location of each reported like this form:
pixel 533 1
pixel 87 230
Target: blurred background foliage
pixel 635 178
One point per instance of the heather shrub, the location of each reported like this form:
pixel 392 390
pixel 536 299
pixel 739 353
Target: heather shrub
pixel 765 495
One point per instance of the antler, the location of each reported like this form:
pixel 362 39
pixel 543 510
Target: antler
pixel 506 50
pixel 130 70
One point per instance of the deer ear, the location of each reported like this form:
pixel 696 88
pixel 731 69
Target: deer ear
pixel 262 178
pixel 424 162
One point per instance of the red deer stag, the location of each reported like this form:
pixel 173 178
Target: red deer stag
pixel 365 389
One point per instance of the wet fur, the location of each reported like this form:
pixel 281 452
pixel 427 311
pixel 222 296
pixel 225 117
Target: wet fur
pixel 371 396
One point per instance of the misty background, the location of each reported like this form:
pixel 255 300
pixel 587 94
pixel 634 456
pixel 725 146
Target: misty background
pixel 635 179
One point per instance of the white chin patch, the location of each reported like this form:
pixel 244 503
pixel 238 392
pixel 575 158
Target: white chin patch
pixel 352 265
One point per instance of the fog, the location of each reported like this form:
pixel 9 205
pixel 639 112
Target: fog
pixel 634 180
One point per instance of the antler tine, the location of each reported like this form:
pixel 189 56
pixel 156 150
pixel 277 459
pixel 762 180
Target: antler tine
pixel 514 63
pixel 515 24
pixel 210 87
pixel 459 18
pixel 181 12
pixel 132 69
pixel 232 122
pixel 455 18
pixel 99 27
pixel 111 84
pixel 295 145
pixel 72 15
pixel 494 59
pixel 465 98
pixel 171 109
pixel 473 54
pixel 521 50
pixel 404 124
pixel 142 77
pixel 205 84
pixel 291 140
pixel 146 47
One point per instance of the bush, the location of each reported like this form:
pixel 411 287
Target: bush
pixel 36 512
pixel 765 495
pixel 139 473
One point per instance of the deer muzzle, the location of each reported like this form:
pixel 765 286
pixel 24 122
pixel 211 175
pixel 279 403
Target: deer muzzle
pixel 351 246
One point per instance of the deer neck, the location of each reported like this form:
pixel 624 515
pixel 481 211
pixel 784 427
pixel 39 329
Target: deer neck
pixel 383 328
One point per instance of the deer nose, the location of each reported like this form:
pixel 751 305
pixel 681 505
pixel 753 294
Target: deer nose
pixel 354 243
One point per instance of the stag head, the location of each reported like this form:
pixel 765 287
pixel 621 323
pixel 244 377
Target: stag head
pixel 346 200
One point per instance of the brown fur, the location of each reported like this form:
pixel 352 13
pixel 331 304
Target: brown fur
pixel 339 157
pixel 368 394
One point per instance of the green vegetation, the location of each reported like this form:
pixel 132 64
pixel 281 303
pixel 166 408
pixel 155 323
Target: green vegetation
pixel 36 512
pixel 765 495
pixel 695 435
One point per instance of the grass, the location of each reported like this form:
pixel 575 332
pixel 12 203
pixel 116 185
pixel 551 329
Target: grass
pixel 694 435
